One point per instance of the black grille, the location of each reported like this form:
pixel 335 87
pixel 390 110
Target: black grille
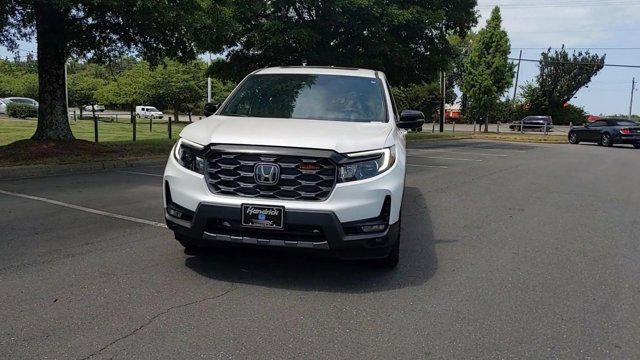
pixel 301 177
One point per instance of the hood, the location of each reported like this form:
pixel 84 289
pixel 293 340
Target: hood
pixel 341 136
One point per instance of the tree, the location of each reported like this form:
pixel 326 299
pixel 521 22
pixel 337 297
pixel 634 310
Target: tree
pixel 83 89
pixel 405 39
pixel 560 78
pixel 176 85
pixel 129 89
pixel 103 30
pixel 487 71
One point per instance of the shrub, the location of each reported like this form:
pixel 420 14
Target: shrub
pixel 21 111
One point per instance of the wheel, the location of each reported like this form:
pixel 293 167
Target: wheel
pixel 636 145
pixel 392 260
pixel 573 138
pixel 605 140
pixel 189 247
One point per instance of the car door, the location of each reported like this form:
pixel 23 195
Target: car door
pixel 592 132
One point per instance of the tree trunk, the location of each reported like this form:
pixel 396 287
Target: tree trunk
pixel 53 122
pixel 486 124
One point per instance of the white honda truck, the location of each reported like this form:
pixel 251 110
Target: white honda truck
pixel 305 158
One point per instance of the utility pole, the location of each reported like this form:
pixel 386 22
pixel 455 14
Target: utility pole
pixel 443 99
pixel 209 82
pixel 633 88
pixel 515 88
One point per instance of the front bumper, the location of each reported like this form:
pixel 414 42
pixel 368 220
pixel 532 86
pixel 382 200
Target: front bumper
pixel 627 139
pixel 350 204
pixel 219 225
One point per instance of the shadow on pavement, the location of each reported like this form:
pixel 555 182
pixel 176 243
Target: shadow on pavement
pixel 306 272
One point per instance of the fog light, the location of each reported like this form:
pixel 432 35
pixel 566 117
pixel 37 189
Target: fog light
pixel 175 213
pixel 373 228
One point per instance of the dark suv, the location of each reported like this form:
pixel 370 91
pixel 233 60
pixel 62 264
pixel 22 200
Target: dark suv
pixel 533 123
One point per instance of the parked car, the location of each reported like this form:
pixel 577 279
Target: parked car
pixel 3 106
pixel 21 100
pixel 148 112
pixel 533 123
pixel 297 157
pixel 98 108
pixel 607 132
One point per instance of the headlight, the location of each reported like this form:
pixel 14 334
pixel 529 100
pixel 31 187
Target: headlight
pixel 367 164
pixel 188 154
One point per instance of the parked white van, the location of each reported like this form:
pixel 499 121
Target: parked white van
pixel 148 112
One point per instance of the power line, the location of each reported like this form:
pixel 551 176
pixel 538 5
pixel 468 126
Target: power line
pixel 576 63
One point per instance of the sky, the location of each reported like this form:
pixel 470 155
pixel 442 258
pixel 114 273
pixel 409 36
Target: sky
pixel 610 27
pixel 534 25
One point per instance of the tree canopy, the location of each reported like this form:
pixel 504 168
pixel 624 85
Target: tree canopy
pixel 560 78
pixel 487 71
pixel 103 30
pixel 405 39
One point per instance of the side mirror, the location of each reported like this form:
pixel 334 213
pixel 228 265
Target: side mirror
pixel 411 119
pixel 210 109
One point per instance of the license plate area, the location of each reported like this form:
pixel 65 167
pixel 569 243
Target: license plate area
pixel 263 217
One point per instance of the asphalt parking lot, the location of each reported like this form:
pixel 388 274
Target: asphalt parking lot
pixel 508 251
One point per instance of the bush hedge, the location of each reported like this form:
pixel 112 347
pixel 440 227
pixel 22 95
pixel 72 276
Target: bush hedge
pixel 21 111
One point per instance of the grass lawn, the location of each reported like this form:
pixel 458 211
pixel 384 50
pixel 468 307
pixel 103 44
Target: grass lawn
pixel 13 130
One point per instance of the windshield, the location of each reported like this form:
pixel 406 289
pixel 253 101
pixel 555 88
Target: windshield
pixel 305 96
pixel 152 109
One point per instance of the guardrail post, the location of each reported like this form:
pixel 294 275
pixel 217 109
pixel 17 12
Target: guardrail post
pixel 498 124
pixel 169 126
pixel 474 126
pixel 433 127
pixel 545 128
pixel 135 126
pixel 522 126
pixel 150 125
pixel 571 125
pixel 116 118
pixel 95 128
pixel 454 126
pixel 75 119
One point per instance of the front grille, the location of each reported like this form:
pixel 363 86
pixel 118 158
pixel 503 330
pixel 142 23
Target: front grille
pixel 233 174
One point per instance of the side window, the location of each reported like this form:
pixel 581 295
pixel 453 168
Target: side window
pixel 393 101
pixel 599 124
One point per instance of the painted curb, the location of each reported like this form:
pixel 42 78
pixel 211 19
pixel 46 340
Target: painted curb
pixel 29 171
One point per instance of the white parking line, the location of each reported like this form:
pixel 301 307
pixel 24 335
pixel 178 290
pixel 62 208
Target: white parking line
pixel 460 152
pixel 429 166
pixel 85 209
pixel 139 173
pixel 443 158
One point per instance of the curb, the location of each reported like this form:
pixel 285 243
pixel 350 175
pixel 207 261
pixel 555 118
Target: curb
pixel 29 171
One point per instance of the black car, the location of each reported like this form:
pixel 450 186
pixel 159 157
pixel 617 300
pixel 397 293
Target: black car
pixel 533 123
pixel 607 132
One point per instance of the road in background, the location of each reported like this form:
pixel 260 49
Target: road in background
pixel 508 251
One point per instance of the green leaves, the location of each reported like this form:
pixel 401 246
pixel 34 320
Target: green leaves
pixel 487 71
pixel 561 76
pixel 405 39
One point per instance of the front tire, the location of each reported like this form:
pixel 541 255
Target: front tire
pixel 190 248
pixel 605 140
pixel 392 260
pixel 573 138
